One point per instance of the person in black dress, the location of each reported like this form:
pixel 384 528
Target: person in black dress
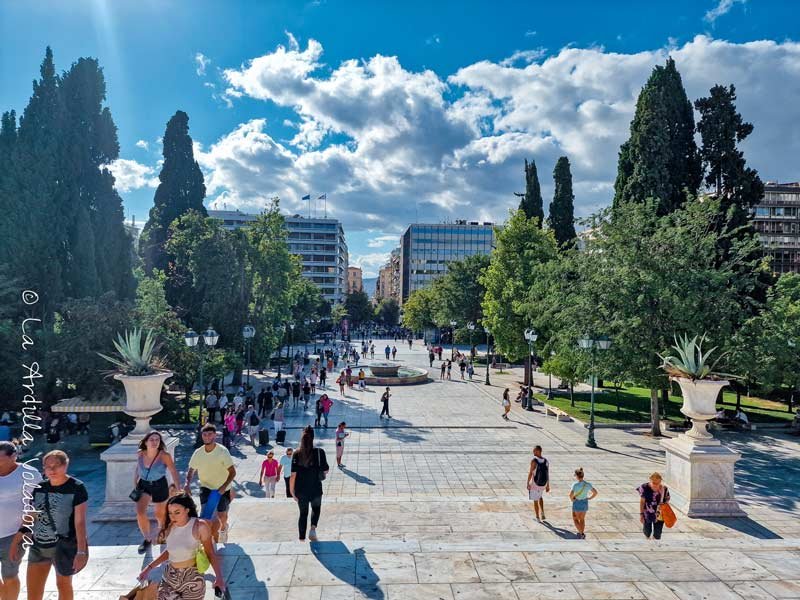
pixel 309 468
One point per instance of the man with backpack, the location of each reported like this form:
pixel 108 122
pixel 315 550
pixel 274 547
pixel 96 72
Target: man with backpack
pixel 253 424
pixel 538 481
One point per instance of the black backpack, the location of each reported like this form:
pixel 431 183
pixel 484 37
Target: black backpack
pixel 254 419
pixel 542 473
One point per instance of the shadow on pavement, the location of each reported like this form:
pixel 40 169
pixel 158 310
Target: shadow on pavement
pixel 358 478
pixel 351 567
pixel 747 526
pixel 560 532
pixel 242 575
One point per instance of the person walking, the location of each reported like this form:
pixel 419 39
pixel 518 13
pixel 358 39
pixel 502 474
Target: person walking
pixel 362 380
pixel 214 467
pixel 394 352
pixel 212 404
pixel 506 404
pixel 268 475
pixel 306 393
pixel 449 370
pixel 313 381
pixel 318 411
pixel 341 435
pixel 323 375
pixel 582 491
pixel 462 366
pixel 341 380
pixel 296 392
pixel 538 482
pixel 59 529
pixel 385 399
pixel 651 496
pixel 387 351
pixel 326 407
pixel 309 468
pixel 470 370
pixel 278 418
pixel 150 481
pixel 285 469
pixel 372 351
pixel 443 369
pixel 431 357
pixel 253 425
pixel 184 533
pixel 17 482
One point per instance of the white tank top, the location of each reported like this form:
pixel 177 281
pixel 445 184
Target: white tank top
pixel 181 544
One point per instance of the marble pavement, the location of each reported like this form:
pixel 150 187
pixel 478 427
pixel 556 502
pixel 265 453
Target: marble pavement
pixel 431 505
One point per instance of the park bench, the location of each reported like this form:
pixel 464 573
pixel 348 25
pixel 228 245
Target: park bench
pixel 501 366
pixel 556 412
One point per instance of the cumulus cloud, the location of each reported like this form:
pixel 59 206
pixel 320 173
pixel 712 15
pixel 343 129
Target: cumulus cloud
pixel 370 263
pixel 143 144
pixel 723 7
pixel 390 145
pixel 201 61
pixel 130 175
pixel 383 240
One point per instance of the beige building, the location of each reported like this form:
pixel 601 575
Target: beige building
pixel 388 283
pixel 355 281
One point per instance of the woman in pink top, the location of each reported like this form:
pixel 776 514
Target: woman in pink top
pixel 326 404
pixel 269 474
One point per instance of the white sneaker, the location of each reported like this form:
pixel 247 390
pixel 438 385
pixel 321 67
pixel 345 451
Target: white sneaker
pixel 312 534
pixel 222 536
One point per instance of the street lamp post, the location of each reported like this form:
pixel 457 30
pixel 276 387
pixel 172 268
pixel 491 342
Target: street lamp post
pixel 289 350
pixel 531 336
pixel 210 339
pixel 452 339
pixel 550 379
pixel 587 343
pixel 486 329
pixel 248 331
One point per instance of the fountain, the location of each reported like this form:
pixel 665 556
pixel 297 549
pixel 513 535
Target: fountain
pixel 391 373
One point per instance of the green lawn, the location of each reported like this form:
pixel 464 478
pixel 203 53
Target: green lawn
pixel 634 406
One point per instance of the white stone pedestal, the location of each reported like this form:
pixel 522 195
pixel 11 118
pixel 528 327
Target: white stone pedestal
pixel 120 462
pixel 700 477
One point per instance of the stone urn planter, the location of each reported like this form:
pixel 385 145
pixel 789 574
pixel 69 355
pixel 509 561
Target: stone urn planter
pixel 142 400
pixel 700 404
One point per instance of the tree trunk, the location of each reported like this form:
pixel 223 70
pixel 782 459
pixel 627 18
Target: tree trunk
pixel 655 425
pixel 571 394
pixel 664 401
pixel 738 398
pixel 616 393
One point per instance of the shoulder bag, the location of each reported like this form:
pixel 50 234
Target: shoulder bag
pixel 320 472
pixel 136 494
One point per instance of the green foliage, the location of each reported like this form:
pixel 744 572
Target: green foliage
pixel 660 160
pixel 181 189
pixel 531 203
pixel 135 358
pixel 387 312
pixel 338 312
pixel 419 311
pixel 459 292
pixel 521 257
pixel 562 210
pixel 689 360
pixel 358 307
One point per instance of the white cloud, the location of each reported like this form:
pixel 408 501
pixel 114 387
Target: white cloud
pixel 130 175
pixel 383 240
pixel 530 33
pixel 722 8
pixel 435 39
pixel 370 263
pixel 143 144
pixel 524 56
pixel 201 61
pixel 391 145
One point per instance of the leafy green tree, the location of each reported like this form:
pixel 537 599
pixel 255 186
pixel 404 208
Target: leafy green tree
pixel 459 292
pixel 660 158
pixel 419 311
pixel 642 279
pixel 388 312
pixel 531 203
pixel 568 366
pixel 562 209
pixel 181 189
pixel 522 253
pixel 358 307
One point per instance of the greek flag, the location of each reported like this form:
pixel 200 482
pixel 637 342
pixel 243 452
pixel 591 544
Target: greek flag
pixel 306 197
pixel 323 197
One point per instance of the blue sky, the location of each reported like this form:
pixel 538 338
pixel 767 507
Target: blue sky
pixel 403 111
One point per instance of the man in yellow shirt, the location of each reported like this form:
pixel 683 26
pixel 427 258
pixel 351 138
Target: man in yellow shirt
pixel 214 467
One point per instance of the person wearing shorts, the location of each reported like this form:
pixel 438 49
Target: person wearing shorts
pixel 341 435
pixel 59 531
pixel 580 494
pixel 17 481
pixel 150 478
pixel 538 481
pixel 214 467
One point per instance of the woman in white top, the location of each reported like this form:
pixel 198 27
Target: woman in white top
pixel 184 534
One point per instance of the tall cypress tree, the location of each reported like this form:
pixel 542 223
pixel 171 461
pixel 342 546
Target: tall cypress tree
pixel 181 190
pixel 721 129
pixel 531 203
pixel 660 158
pixel 562 209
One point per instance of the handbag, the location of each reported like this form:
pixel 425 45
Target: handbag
pixel 136 494
pixel 668 515
pixel 142 591
pixel 320 472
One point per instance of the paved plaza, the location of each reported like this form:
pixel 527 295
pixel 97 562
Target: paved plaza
pixel 432 505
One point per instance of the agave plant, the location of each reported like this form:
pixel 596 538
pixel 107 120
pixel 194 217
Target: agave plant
pixel 133 358
pixel 690 361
